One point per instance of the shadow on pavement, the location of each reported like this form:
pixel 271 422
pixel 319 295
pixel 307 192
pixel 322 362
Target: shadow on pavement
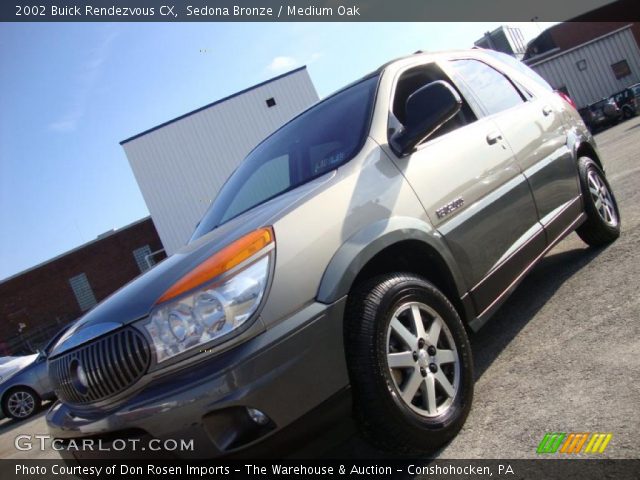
pixel 637 125
pixel 530 296
pixel 9 424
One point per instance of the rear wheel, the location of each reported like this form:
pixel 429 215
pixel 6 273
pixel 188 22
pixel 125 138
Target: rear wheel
pixel 603 217
pixel 409 362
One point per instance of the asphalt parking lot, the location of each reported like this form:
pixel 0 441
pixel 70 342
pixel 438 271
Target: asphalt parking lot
pixel 562 355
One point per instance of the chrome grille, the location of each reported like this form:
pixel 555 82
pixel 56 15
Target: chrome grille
pixel 110 364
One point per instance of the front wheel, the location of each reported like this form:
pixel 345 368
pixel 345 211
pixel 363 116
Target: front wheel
pixel 410 364
pixel 21 403
pixel 603 217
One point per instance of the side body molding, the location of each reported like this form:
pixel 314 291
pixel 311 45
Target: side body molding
pixel 362 246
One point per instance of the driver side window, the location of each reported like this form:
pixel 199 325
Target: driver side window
pixel 417 77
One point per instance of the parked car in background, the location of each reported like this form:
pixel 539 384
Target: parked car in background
pixel 628 101
pixel 601 114
pixel 5 360
pixel 24 382
pixel 353 247
pixel 11 365
pixel 587 116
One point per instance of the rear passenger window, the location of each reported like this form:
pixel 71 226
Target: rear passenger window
pixel 521 67
pixel 493 89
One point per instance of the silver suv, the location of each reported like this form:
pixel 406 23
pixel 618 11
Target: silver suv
pixel 351 251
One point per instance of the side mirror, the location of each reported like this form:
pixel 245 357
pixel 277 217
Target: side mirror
pixel 426 110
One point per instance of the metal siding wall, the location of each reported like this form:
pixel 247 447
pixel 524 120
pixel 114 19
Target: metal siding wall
pixel 181 166
pixel 598 80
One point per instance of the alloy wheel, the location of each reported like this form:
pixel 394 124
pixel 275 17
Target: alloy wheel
pixel 21 404
pixel 422 359
pixel 602 199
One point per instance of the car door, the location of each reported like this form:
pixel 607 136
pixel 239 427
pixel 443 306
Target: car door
pixel 475 195
pixel 535 131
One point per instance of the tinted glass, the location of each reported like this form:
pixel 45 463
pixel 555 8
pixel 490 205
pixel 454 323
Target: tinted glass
pixel 521 67
pixel 491 87
pixel 271 177
pixel 314 143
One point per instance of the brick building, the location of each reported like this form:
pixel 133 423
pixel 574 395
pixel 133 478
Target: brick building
pixel 37 302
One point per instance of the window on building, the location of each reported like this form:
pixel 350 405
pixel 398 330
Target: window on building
pixel 491 87
pixel 143 258
pixel 621 69
pixel 271 102
pixel 83 292
pixel 581 64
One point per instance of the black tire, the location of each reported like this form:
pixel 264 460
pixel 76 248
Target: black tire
pixel 382 415
pixel 24 392
pixel 596 231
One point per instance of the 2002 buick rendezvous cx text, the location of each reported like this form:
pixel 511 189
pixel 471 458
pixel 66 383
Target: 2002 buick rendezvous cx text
pixel 353 247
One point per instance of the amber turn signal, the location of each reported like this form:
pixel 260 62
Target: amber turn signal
pixel 220 262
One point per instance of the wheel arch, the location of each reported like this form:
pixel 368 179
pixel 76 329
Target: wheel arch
pixel 400 244
pixel 584 149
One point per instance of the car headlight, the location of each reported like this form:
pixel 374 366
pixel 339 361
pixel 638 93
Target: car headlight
pixel 205 306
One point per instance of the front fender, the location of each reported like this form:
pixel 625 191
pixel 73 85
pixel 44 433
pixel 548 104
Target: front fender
pixel 362 246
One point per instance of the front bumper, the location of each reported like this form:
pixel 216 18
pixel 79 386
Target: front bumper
pixel 284 372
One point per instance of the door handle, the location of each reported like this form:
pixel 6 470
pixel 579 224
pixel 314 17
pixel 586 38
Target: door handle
pixel 493 137
pixel 547 110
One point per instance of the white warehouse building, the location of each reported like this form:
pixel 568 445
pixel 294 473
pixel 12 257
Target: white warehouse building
pixel 593 70
pixel 181 164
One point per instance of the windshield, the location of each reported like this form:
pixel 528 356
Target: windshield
pixel 312 144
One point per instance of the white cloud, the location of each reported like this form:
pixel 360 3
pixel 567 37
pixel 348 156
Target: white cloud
pixel 314 56
pixel 281 64
pixel 65 124
pixel 86 80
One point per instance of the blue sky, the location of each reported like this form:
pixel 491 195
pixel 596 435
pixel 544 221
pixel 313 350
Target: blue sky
pixel 71 92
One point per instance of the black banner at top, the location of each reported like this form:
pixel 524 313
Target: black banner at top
pixel 314 10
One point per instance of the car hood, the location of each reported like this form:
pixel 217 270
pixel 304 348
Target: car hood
pixel 136 299
pixel 16 364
